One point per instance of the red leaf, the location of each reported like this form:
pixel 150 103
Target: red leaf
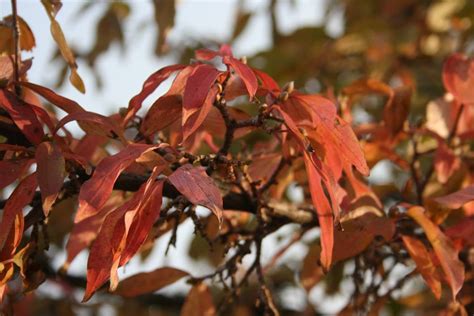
pixel 245 73
pixel 65 104
pixel 198 188
pixel 142 223
pixel 324 211
pixel 464 230
pixel 103 125
pixel 444 249
pixel 105 253
pixel 150 84
pixel 164 112
pixel 198 85
pixel 168 108
pixel 199 302
pixel 51 169
pixel 267 82
pixel 458 77
pixel 193 118
pixel 23 116
pixel 84 232
pixel 10 170
pixel 95 192
pixel 458 198
pixel 424 264
pixel 21 196
pixel 148 282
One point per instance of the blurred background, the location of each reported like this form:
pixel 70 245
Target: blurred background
pixel 322 45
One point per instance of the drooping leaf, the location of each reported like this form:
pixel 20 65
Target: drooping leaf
pixel 198 302
pixel 21 196
pixel 95 192
pixel 143 222
pixel 84 232
pixel 150 84
pixel 198 188
pixel 51 169
pixel 458 77
pixel 331 130
pixel 164 18
pixel 64 48
pixel 424 264
pixel 148 282
pixel 324 211
pixel 443 247
pixel 105 252
pixel 458 198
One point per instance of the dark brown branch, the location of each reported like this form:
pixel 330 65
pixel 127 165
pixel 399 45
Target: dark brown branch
pixel 16 48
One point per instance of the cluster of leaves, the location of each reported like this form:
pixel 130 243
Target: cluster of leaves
pixel 227 137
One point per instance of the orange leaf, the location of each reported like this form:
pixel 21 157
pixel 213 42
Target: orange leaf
pixel 424 264
pixel 150 84
pixel 199 302
pixel 107 248
pixel 148 282
pixel 51 169
pixel 444 249
pixel 324 211
pixel 198 188
pixel 360 227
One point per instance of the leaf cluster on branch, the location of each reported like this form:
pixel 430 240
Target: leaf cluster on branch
pixel 138 174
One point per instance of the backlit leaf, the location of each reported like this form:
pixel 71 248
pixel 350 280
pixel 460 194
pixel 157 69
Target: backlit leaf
pixel 95 192
pixel 444 249
pixel 424 264
pixel 198 188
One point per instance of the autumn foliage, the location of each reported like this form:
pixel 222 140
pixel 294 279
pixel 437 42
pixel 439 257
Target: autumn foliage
pixel 228 138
